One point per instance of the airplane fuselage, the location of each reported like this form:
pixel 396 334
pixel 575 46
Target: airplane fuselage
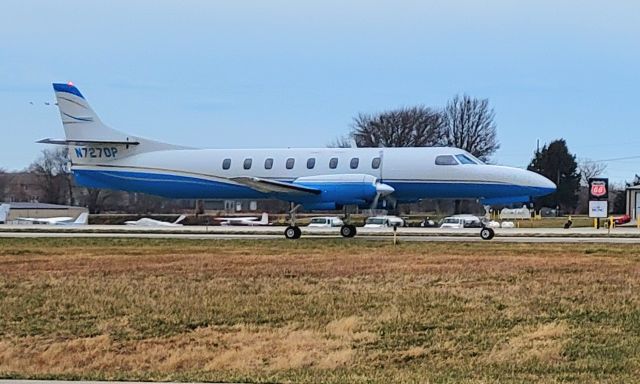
pixel 412 172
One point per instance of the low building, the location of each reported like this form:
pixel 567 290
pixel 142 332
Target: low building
pixel 41 211
pixel 633 202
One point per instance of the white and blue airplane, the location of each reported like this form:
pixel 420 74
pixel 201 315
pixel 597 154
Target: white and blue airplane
pixel 313 178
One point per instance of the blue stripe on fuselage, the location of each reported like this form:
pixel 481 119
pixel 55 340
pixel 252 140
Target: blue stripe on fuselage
pixel 188 187
pixel 173 186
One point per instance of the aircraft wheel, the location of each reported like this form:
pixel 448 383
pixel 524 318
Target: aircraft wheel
pixel 292 232
pixel 348 230
pixel 487 233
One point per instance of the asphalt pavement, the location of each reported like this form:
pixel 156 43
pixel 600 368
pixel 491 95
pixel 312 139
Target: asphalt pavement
pixel 627 235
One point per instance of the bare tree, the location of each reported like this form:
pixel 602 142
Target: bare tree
pixel 52 176
pixel 418 126
pixel 590 169
pixel 95 199
pixel 345 141
pixel 469 125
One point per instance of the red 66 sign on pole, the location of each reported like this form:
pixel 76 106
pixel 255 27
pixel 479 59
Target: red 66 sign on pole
pixel 598 196
pixel 598 189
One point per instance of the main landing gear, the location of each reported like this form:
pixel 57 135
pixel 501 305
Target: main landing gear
pixel 293 232
pixel 487 233
pixel 348 230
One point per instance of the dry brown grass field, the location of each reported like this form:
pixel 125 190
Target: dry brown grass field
pixel 319 311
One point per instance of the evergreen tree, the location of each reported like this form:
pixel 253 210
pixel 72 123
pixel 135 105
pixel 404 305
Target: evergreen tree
pixel 556 163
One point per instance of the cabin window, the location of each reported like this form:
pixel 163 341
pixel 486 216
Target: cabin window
pixel 375 163
pixel 226 163
pixel 446 160
pixel 354 163
pixel 268 163
pixel 464 159
pixel 290 163
pixel 311 162
pixel 247 163
pixel 333 163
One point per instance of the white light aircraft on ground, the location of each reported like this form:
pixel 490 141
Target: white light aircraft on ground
pixel 250 221
pixel 313 178
pixel 4 212
pixel 82 219
pixel 148 222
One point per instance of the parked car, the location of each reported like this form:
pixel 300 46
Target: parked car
pixel 461 221
pixel 384 221
pixel 326 222
pixel 624 219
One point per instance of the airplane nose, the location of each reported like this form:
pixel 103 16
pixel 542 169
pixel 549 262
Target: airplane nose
pixel 541 185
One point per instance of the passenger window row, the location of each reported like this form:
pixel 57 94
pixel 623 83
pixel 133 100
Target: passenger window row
pixel 311 163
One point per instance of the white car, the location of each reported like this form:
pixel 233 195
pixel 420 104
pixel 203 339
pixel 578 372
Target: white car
pixel 326 222
pixel 461 221
pixel 383 222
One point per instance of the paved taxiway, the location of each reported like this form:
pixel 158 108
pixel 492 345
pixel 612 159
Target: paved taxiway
pixel 538 235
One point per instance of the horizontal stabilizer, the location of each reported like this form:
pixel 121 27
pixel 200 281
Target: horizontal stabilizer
pixel 274 186
pixel 86 142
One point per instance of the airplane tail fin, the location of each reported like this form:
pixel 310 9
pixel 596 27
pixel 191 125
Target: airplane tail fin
pixel 82 219
pixel 79 120
pixel 265 218
pixel 94 140
pixel 179 219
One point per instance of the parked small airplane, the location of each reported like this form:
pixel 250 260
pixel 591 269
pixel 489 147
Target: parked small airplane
pixel 82 219
pixel 250 221
pixel 313 178
pixel 4 212
pixel 148 222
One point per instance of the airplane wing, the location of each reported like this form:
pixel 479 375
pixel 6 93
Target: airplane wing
pixel 235 219
pixel 274 186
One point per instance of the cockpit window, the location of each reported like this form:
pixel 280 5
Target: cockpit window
pixel 464 159
pixel 478 161
pixel 446 160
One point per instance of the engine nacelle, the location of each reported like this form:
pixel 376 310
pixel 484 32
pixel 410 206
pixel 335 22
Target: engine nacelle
pixel 339 190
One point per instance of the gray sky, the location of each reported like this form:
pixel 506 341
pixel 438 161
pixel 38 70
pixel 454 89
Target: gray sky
pixel 294 73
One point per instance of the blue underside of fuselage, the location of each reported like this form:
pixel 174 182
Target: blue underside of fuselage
pixel 186 187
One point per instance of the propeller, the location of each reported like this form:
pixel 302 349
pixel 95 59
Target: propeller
pixel 382 189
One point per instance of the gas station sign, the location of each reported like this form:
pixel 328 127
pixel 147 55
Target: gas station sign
pixel 598 197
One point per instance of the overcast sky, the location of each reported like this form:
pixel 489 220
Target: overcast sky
pixel 294 73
